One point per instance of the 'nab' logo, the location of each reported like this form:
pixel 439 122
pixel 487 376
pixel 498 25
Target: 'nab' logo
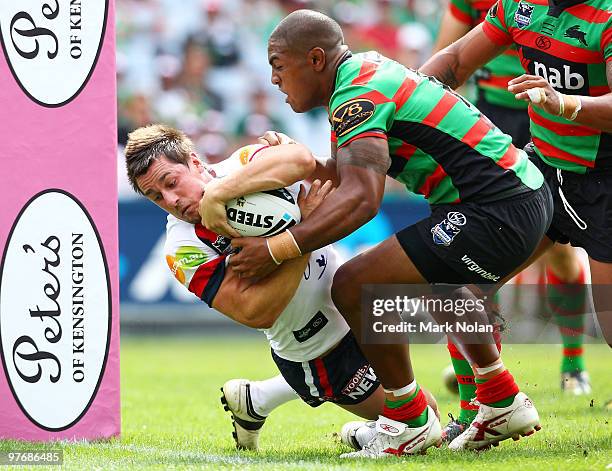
pixel 523 15
pixel 575 33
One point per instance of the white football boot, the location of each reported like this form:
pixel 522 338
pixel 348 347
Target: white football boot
pixel 357 434
pixel 394 438
pixel 236 398
pixel 576 383
pixel 494 424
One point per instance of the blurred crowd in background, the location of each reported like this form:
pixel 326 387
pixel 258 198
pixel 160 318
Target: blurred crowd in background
pixel 201 65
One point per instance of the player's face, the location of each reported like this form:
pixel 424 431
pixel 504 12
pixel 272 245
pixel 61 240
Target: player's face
pixel 176 188
pixel 294 76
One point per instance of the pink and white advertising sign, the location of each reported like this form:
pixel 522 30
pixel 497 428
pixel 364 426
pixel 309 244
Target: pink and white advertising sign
pixel 59 310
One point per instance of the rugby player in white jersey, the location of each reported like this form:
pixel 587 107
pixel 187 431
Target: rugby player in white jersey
pixel 311 343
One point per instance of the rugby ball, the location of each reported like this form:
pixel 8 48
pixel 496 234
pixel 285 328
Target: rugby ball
pixel 263 214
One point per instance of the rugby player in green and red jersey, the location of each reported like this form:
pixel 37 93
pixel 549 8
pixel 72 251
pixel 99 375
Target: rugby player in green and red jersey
pixel 565 48
pixel 490 208
pixel 560 268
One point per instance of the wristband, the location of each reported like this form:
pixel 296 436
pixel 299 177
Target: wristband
pixel 574 106
pixel 561 98
pixel 270 252
pixel 283 247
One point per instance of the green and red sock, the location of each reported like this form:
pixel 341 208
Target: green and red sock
pixel 466 381
pixel 412 410
pixel 498 391
pixel 567 304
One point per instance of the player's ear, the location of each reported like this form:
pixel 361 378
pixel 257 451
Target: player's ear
pixel 196 162
pixel 317 59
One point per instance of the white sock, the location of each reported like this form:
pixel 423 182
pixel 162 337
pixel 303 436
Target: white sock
pixel 268 394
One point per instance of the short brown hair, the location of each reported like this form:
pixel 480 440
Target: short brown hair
pixel 149 143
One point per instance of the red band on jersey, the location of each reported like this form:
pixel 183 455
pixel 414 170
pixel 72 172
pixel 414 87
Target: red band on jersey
pixel 202 276
pixel 367 71
pixel 551 151
pixel 405 150
pixel 477 132
pixel 599 90
pixel 460 15
pixel 403 92
pixel 333 136
pixel 562 129
pixel 432 181
pixel 441 109
pixel 498 81
pixel 378 134
pixel 508 160
pixel 557 48
pixel 589 13
pixel 373 95
pixel 499 37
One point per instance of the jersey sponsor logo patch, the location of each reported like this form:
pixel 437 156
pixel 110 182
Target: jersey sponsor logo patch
pixel 474 267
pixel 575 33
pixel 523 15
pixel 312 328
pixel 563 75
pixel 456 218
pixel 445 232
pixel 244 156
pixel 351 114
pixel 543 42
pixel 185 257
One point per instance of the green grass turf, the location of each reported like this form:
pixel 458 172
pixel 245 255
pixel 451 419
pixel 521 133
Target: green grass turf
pixel 172 418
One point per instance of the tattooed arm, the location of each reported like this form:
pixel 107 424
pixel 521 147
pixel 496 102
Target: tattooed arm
pixel 361 168
pixel 454 64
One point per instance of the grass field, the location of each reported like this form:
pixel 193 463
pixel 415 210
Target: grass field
pixel 172 418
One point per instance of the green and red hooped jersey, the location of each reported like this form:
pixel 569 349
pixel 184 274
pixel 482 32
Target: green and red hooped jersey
pixel 568 46
pixel 493 78
pixel 440 145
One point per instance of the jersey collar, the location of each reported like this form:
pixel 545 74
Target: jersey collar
pixel 346 56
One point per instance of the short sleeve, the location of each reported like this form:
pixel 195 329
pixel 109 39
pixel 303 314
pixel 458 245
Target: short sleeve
pixel 494 25
pixel 357 111
pixel 461 11
pixel 196 258
pixel 238 159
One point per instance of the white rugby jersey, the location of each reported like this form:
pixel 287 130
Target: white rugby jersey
pixel 310 324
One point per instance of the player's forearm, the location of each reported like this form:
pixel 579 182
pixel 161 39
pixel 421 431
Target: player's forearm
pixel 596 112
pixel 266 299
pixel 338 216
pixel 450 30
pixel 276 167
pixel 454 64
